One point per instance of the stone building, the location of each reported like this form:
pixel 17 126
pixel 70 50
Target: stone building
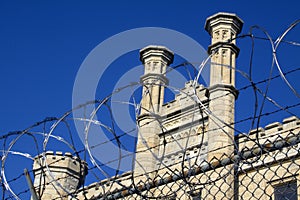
pixel 187 148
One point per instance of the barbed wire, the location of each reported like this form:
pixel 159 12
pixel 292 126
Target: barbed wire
pixel 184 167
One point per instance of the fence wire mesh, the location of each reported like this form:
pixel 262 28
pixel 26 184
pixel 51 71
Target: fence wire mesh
pixel 262 163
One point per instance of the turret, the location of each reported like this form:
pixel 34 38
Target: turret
pixel 57 176
pixel 156 60
pixel 223 29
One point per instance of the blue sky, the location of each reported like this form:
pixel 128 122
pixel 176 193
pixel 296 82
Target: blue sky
pixel 43 44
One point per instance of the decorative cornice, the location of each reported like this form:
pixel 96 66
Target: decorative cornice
pixel 153 76
pixel 153 50
pixel 218 45
pixel 224 18
pixel 224 87
pixel 147 116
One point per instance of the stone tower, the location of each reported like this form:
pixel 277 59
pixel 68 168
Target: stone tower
pixel 58 176
pixel 223 29
pixel 155 60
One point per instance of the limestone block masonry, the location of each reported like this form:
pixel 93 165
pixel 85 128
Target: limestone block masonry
pixel 155 59
pixel 58 175
pixel 223 28
pixel 195 147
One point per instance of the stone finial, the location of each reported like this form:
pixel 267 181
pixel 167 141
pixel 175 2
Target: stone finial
pixel 156 51
pixel 224 19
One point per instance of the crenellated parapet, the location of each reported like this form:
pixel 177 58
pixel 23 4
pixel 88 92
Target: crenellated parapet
pixel 269 137
pixel 270 133
pixel 185 110
pixel 105 187
pixel 183 122
pixel 186 97
pixel 58 175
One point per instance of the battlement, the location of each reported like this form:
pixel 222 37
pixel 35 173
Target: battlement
pixel 270 133
pixel 273 128
pixel 186 98
pixel 59 159
pixel 184 110
pixel 58 174
pixel 96 189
